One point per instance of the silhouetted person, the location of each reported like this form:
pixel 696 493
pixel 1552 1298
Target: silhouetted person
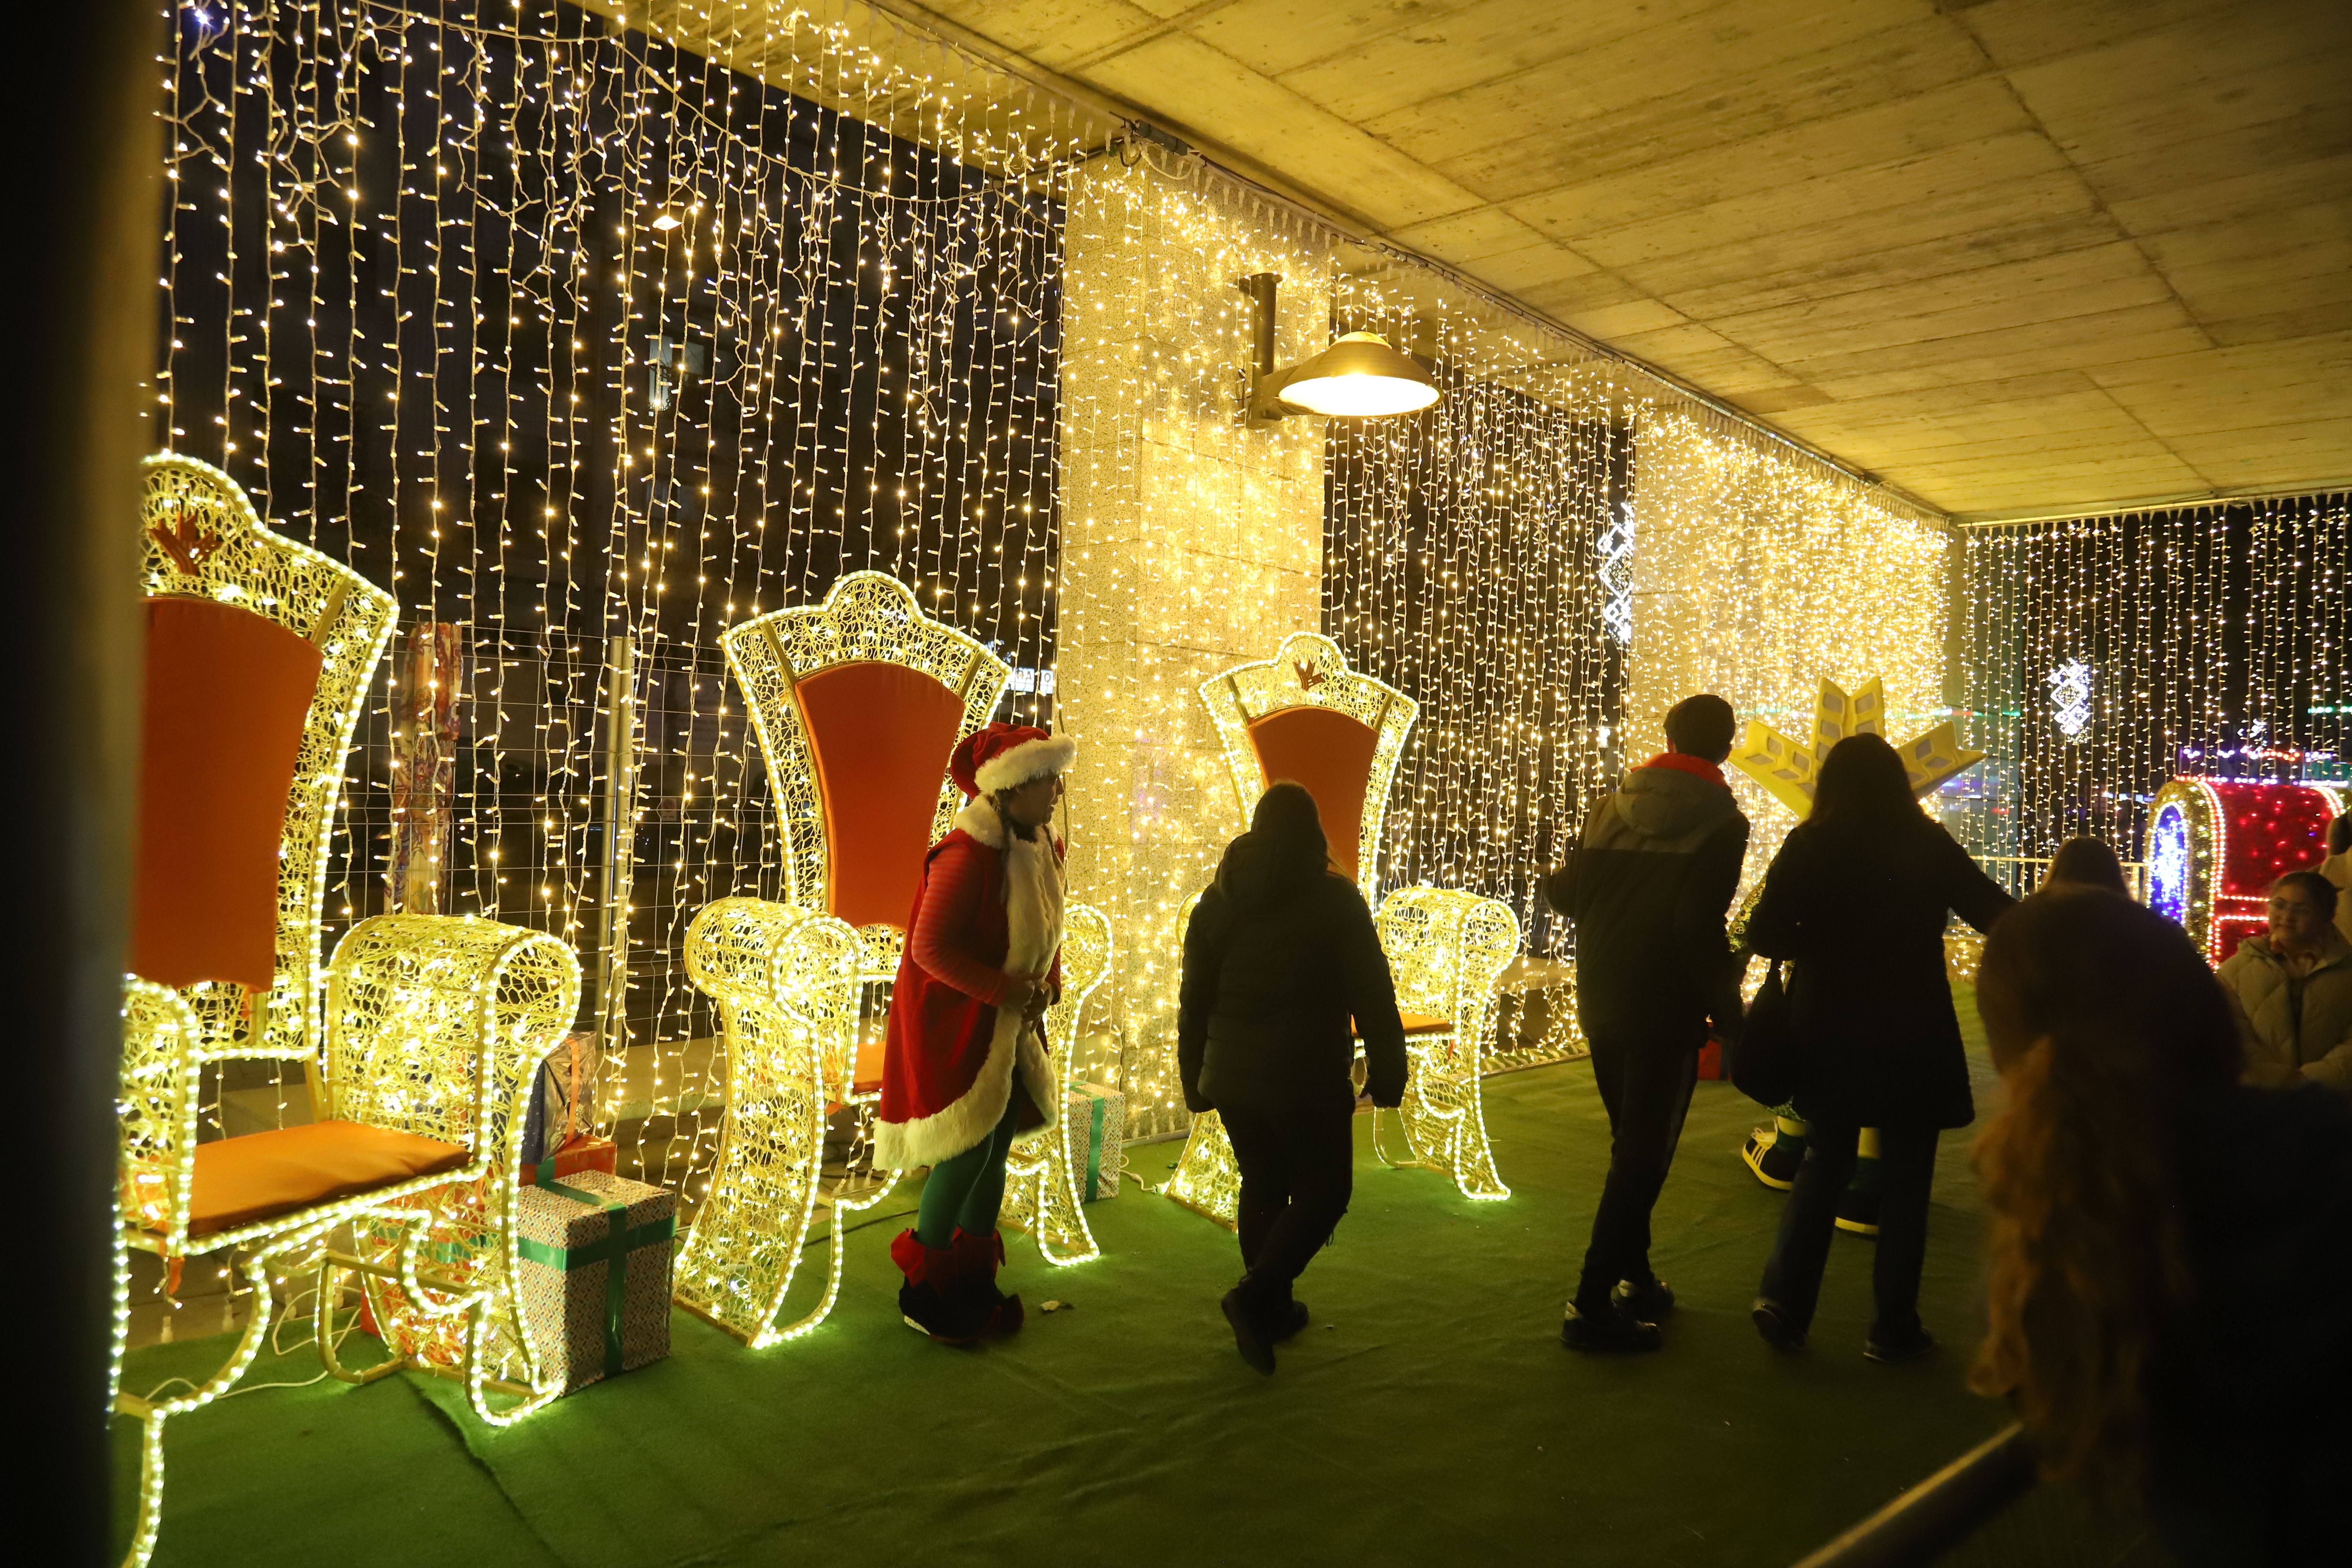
pixel 1647 888
pixel 1857 898
pixel 1279 954
pixel 2170 1295
pixel 2087 862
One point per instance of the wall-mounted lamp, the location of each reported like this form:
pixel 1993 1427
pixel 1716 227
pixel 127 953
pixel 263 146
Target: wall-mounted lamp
pixel 1360 376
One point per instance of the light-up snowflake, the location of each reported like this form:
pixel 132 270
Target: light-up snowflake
pixel 2070 697
pixel 1617 577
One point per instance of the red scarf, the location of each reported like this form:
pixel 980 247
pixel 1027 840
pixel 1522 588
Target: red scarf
pixel 1697 767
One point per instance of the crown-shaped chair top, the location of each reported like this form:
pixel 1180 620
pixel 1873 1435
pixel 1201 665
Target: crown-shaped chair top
pixel 259 653
pixel 1304 715
pixel 857 703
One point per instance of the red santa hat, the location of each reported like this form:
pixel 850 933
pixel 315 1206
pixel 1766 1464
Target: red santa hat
pixel 1004 755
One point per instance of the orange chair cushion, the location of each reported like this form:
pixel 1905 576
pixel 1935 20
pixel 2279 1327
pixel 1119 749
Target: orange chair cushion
pixel 1415 1023
pixel 240 1180
pixel 1331 755
pixel 865 1073
pixel 228 693
pixel 881 735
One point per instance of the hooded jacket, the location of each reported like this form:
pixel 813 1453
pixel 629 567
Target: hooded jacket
pixel 2295 1026
pixel 1278 959
pixel 1648 888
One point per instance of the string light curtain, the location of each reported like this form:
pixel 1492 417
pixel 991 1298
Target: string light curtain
pixel 1192 543
pixel 564 333
pixel 1463 563
pixel 1757 573
pixel 2106 655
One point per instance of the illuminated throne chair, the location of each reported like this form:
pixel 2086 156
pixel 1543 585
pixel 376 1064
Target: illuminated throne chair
pixel 1304 715
pixel 418 1041
pixel 858 703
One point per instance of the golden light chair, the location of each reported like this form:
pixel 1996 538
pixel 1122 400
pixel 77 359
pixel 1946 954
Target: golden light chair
pixel 419 1043
pixel 1304 715
pixel 857 703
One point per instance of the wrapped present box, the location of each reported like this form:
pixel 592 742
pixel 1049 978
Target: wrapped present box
pixel 577 1158
pixel 1097 1115
pixel 596 1253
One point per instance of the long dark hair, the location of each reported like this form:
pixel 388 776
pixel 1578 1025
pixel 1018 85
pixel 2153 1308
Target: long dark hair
pixel 2110 1034
pixel 1863 789
pixel 2087 862
pixel 1283 849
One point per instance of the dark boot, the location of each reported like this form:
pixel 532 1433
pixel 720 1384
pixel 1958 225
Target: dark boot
pixel 1245 1310
pixel 1777 1324
pixel 1649 1302
pixel 1604 1327
pixel 930 1300
pixel 977 1257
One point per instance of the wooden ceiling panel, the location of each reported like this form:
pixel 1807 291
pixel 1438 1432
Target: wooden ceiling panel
pixel 2007 254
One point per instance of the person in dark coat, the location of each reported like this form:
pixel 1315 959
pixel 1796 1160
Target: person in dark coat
pixel 1280 953
pixel 1647 887
pixel 2170 1291
pixel 1857 898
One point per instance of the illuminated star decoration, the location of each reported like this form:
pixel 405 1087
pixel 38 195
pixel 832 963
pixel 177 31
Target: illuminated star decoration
pixel 1790 770
pixel 2070 697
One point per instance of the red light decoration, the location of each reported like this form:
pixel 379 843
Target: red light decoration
pixel 2242 836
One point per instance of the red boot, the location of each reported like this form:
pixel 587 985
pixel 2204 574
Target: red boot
pixel 978 1259
pixel 937 1297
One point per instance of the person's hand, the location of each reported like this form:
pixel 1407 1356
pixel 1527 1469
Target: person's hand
pixel 1021 990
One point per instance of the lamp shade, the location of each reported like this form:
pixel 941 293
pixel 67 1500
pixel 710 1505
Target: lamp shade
pixel 1360 376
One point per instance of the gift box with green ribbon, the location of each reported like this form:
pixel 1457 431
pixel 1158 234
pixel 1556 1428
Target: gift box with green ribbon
pixel 1097 1115
pixel 596 1252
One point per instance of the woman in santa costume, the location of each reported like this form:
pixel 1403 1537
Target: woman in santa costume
pixel 965 1070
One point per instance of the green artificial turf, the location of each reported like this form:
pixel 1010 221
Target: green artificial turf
pixel 1428 1415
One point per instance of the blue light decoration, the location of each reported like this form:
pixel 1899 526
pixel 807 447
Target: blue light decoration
pixel 2167 863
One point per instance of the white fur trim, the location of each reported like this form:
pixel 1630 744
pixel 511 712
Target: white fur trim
pixel 1029 759
pixel 1033 916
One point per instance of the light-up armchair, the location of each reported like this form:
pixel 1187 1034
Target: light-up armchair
pixel 417 1041
pixel 1304 715
pixel 857 703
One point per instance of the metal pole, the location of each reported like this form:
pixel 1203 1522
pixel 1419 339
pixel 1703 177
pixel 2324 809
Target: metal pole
pixel 620 841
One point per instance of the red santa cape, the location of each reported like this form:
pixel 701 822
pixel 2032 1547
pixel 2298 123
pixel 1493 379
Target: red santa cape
pixel 949 1057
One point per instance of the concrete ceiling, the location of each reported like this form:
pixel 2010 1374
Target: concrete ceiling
pixel 2022 255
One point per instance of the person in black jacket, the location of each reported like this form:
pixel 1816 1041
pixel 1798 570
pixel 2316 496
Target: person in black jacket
pixel 1858 898
pixel 1279 954
pixel 1647 888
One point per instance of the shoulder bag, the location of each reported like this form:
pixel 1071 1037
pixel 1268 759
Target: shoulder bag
pixel 1765 1065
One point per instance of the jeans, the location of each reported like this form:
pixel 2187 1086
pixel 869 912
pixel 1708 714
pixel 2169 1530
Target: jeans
pixel 1906 1169
pixel 1298 1170
pixel 967 1190
pixel 1646 1087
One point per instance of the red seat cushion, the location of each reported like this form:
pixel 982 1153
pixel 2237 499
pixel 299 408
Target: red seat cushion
pixel 261 1175
pixel 228 693
pixel 1330 753
pixel 881 735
